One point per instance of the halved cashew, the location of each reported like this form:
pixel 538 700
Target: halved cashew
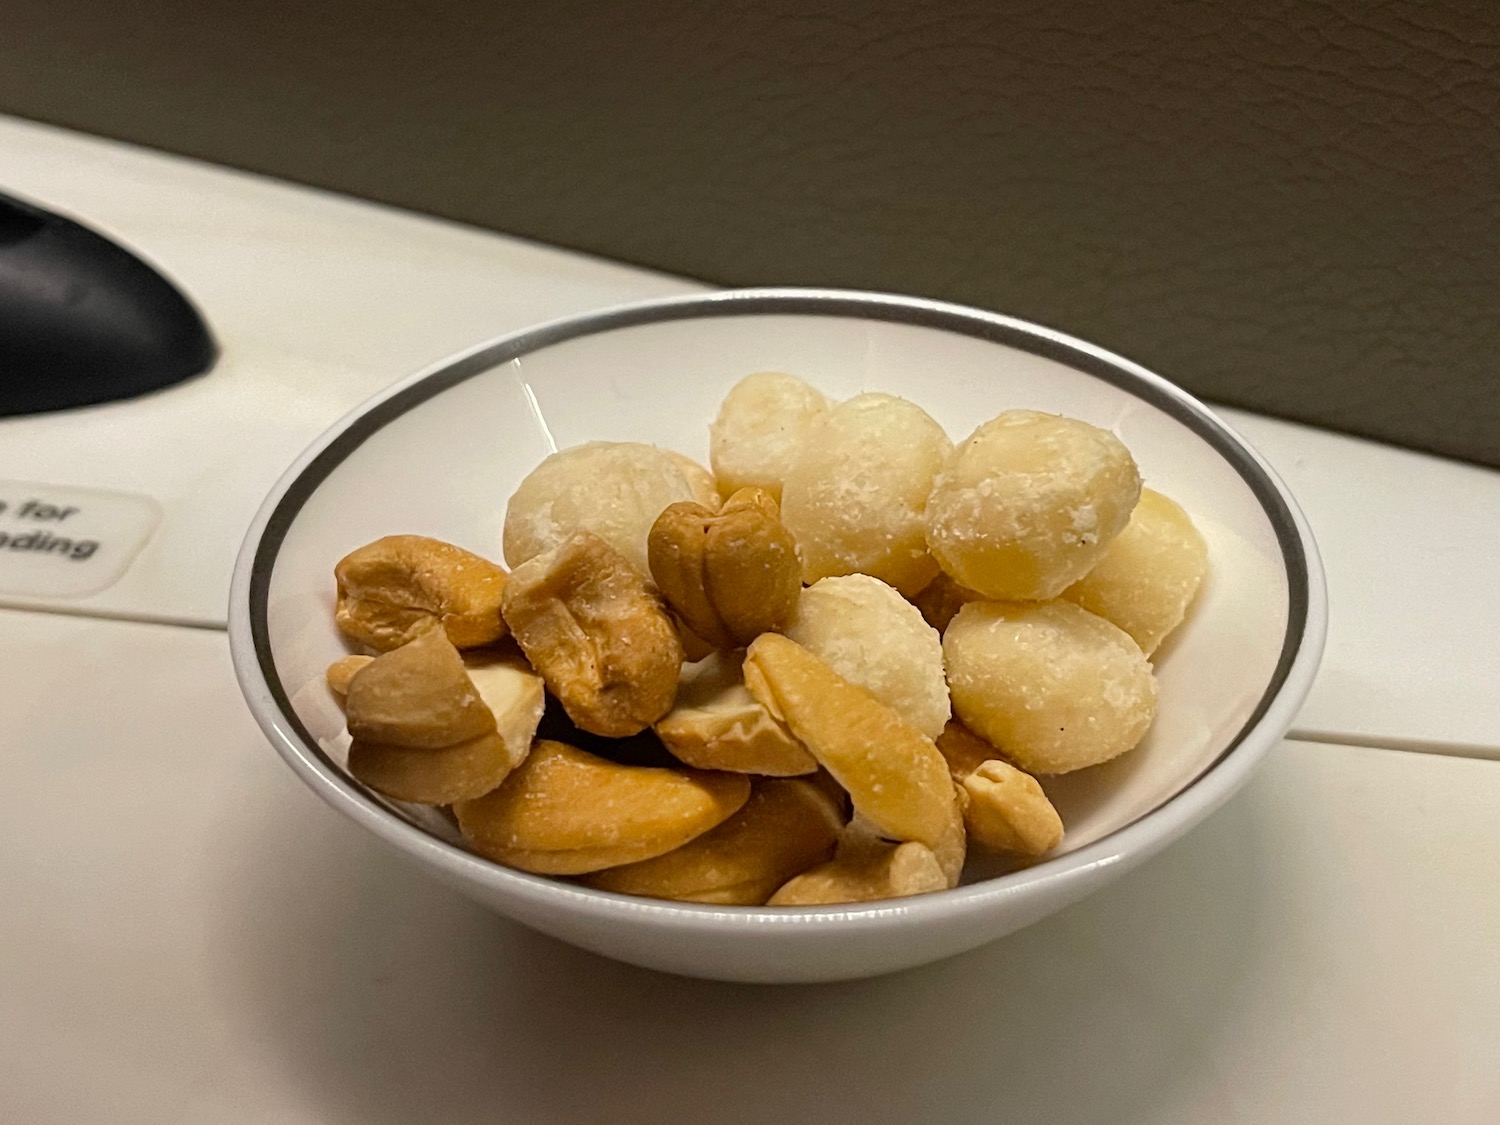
pixel 717 725
pixel 389 588
pixel 894 774
pixel 1005 808
pixel 342 670
pixel 418 696
pixel 567 812
pixel 1008 811
pixel 514 694
pixel 459 772
pixel 865 869
pixel 732 574
pixel 785 827
pixel 590 624
pixel 421 729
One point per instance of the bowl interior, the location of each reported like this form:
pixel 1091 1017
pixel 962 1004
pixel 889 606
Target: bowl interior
pixel 440 458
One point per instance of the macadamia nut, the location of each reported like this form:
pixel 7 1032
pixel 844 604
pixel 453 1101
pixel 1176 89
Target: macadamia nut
pixel 1052 685
pixel 1150 574
pixel 856 494
pixel 613 489
pixel 873 637
pixel 700 481
pixel 1028 503
pixel 762 424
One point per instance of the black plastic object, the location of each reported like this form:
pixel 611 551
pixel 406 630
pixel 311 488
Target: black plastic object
pixel 83 320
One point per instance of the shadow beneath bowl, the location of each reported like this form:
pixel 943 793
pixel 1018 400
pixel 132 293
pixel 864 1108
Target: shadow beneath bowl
pixel 384 997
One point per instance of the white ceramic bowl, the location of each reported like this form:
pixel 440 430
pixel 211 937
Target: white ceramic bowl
pixel 439 454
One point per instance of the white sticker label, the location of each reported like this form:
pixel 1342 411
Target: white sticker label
pixel 59 542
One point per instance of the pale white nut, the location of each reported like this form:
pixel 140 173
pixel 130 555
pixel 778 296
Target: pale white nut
pixel 784 828
pixel 704 488
pixel 717 725
pixel 1057 687
pixel 513 692
pixel 856 495
pixel 614 490
pixel 874 638
pixel 762 423
pixel 1028 503
pixel 1150 575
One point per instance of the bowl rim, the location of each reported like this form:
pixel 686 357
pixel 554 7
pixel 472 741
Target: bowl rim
pixel 270 704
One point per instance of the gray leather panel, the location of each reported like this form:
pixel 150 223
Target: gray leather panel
pixel 1288 205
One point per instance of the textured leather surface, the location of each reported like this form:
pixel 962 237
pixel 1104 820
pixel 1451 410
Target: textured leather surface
pixel 1289 205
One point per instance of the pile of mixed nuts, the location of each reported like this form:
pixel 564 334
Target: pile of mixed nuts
pixel 972 616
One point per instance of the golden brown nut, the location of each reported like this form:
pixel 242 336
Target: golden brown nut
pixel 1005 809
pixel 785 827
pixel 694 647
pixel 894 774
pixel 732 574
pixel 717 725
pixel 418 696
pixel 432 777
pixel 590 624
pixel 952 847
pixel 963 750
pixel 342 670
pixel 567 812
pixel 388 589
pixel 865 869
